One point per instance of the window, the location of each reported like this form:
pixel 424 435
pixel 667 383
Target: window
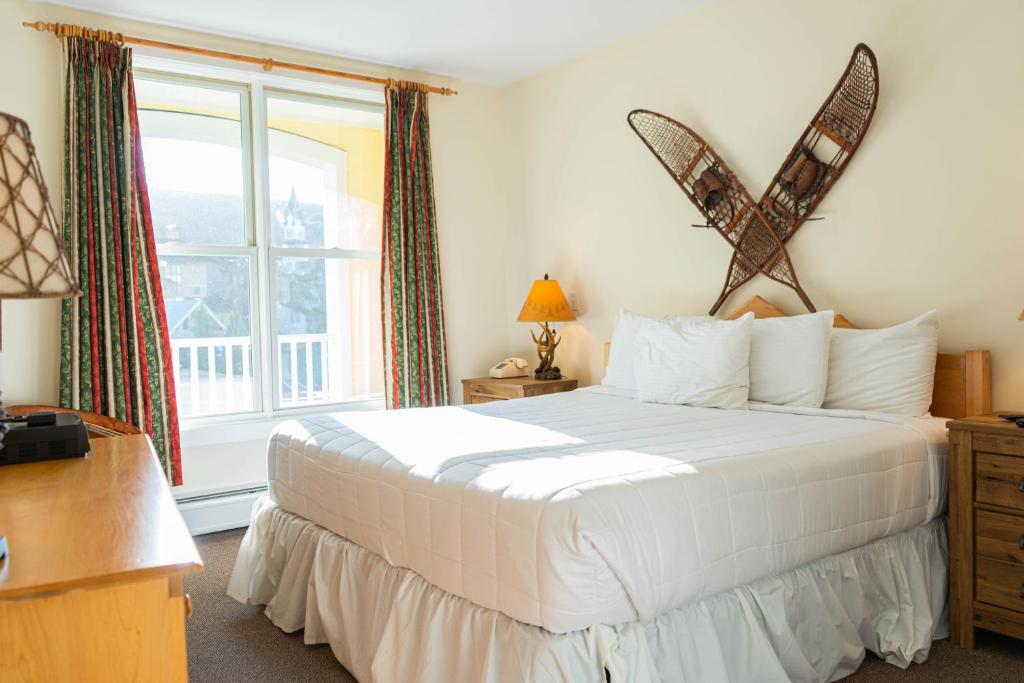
pixel 266 208
pixel 326 185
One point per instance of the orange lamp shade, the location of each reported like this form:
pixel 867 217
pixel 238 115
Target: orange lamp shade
pixel 546 303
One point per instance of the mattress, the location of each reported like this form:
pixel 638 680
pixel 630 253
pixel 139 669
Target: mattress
pixel 589 507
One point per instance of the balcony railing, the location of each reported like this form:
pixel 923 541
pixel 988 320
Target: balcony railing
pixel 213 375
pixel 302 359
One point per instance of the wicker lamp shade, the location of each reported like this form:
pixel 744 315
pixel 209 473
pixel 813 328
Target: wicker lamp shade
pixel 33 263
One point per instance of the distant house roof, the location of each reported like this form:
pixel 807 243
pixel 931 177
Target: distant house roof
pixel 180 310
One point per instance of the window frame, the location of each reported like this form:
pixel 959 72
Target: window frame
pixel 273 253
pixel 254 92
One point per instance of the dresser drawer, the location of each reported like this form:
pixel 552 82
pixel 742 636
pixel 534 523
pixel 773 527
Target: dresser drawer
pixel 999 480
pixel 1000 537
pixel 474 399
pixel 999 583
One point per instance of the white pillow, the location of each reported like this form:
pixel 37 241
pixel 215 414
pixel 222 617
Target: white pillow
pixel 619 373
pixel 694 361
pixel 789 359
pixel 891 370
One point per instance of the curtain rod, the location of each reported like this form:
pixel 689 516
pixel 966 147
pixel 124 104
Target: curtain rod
pixel 267 63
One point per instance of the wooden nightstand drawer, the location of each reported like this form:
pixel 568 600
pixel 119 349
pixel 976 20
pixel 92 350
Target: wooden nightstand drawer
pixel 487 389
pixel 999 480
pixel 493 390
pixel 541 390
pixel 996 443
pixel 1000 537
pixel 477 398
pixel 999 583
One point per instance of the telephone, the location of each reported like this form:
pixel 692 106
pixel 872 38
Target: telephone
pixel 510 367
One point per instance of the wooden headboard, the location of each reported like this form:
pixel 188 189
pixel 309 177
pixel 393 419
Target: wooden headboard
pixel 963 381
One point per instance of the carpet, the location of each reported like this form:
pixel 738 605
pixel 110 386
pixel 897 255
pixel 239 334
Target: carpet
pixel 232 642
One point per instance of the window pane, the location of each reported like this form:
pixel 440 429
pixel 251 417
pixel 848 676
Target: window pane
pixel 192 144
pixel 328 324
pixel 326 172
pixel 207 304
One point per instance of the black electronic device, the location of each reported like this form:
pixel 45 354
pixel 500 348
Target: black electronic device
pixel 42 436
pixel 1015 418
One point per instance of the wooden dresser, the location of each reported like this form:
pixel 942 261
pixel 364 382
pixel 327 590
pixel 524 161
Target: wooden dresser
pixel 487 389
pixel 93 588
pixel 986 528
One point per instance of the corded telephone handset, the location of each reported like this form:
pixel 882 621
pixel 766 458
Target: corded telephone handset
pixel 510 367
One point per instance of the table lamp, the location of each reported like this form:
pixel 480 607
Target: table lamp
pixel 33 264
pixel 546 304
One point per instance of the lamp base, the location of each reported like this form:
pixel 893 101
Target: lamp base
pixel 551 373
pixel 546 345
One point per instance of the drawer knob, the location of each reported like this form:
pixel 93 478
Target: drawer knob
pixel 1020 543
pixel 1020 486
pixel 1021 594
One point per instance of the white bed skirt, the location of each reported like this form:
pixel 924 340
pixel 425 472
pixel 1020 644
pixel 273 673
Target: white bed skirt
pixel 388 624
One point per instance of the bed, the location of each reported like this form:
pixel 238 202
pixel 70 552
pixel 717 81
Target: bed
pixel 586 535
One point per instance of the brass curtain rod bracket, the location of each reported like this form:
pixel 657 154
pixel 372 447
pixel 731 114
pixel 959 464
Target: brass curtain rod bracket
pixel 266 63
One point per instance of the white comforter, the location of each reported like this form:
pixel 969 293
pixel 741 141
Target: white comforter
pixel 589 507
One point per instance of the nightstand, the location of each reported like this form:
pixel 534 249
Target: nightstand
pixel 487 389
pixel 986 528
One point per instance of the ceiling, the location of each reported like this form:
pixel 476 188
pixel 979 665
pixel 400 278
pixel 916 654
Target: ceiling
pixel 486 41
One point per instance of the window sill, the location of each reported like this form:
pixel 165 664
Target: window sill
pixel 208 431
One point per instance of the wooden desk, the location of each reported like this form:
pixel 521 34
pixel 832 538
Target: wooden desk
pixel 93 588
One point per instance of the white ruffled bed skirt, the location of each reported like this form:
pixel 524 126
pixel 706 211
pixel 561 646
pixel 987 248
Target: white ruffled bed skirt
pixel 388 624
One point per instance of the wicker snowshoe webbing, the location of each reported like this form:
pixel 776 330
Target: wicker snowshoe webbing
pixel 713 188
pixel 759 231
pixel 836 130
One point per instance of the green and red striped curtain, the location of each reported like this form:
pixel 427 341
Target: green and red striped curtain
pixel 115 350
pixel 416 366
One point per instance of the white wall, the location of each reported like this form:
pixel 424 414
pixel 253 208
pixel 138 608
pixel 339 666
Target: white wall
pixel 468 185
pixel 30 89
pixel 926 215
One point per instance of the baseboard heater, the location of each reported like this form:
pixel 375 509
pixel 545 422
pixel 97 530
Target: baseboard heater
pixel 210 512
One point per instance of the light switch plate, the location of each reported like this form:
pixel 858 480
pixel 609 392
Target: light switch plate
pixel 574 301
